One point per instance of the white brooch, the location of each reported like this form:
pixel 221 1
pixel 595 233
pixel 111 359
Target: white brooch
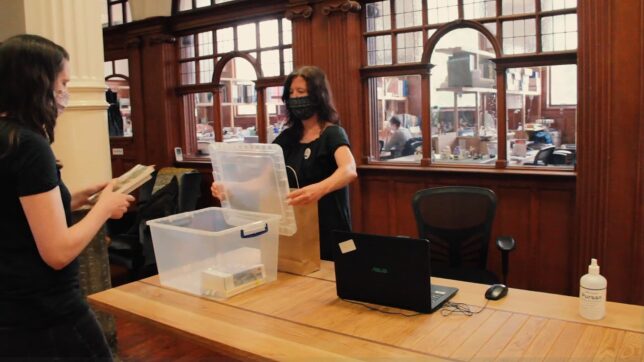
pixel 307 153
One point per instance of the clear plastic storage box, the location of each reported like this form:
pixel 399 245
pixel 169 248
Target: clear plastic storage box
pixel 219 252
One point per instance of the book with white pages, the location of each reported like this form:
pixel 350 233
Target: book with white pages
pixel 129 181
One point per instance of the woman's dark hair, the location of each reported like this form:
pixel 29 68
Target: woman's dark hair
pixel 319 91
pixel 29 66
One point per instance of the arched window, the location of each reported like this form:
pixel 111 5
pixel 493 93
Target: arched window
pixel 230 82
pixel 433 64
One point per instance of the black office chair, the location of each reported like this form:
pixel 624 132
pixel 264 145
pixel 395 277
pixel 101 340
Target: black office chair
pixel 410 146
pixel 457 220
pixel 544 156
pixel 170 191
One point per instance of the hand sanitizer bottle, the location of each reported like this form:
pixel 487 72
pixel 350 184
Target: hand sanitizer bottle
pixel 592 293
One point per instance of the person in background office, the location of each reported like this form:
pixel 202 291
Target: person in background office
pixel 317 148
pixel 43 314
pixel 399 135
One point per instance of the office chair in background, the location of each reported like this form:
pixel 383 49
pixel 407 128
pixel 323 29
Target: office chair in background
pixel 457 220
pixel 544 156
pixel 170 191
pixel 410 146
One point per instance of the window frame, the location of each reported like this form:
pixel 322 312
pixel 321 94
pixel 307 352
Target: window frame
pixel 125 5
pixel 502 62
pixel 214 85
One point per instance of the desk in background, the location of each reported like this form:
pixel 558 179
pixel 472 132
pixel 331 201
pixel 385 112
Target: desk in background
pixel 301 318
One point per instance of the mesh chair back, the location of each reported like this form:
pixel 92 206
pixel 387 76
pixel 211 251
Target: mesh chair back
pixel 544 156
pixel 457 220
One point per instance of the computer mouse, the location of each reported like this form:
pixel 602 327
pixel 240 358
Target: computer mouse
pixel 496 291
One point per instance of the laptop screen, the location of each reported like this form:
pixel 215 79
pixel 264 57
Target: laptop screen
pixel 386 270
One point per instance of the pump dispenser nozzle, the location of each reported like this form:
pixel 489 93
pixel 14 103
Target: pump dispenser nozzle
pixel 593 268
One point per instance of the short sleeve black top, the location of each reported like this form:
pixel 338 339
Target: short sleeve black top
pixel 32 294
pixel 313 162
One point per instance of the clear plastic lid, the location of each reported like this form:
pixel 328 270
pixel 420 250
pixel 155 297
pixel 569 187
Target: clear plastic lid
pixel 253 176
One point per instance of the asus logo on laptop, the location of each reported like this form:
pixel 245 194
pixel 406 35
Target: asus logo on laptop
pixel 376 269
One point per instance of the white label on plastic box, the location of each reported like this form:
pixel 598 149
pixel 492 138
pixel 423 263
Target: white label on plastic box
pixel 347 246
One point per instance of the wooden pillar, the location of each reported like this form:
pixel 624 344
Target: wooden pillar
pixel 610 144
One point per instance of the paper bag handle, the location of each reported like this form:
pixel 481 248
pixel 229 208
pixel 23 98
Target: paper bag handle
pixel 297 182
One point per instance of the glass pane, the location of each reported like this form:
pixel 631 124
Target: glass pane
pixel 476 9
pixel 119 119
pixel 117 14
pixel 410 47
pixel 225 40
pixel 198 113
pixel 206 67
pixel 185 5
pixel 239 101
pixel 203 3
pixel 463 99
pixel 288 61
pixel 397 135
pixel 222 1
pixel 441 11
pixel 121 67
pixel 275 112
pixel 128 13
pixel 559 32
pixel 186 47
pixel 408 13
pixel 541 133
pixel 205 43
pixel 271 63
pixel 547 5
pixel 107 68
pixel 287 32
pixel 378 16
pixel 188 73
pixel 491 27
pixel 246 37
pixel 268 33
pixel 379 49
pixel 509 7
pixel 519 36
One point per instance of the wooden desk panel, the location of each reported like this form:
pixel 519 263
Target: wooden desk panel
pixel 301 318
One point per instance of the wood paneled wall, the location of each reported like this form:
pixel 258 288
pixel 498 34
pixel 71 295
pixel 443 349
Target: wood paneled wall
pixel 559 221
pixel 538 211
pixel 610 183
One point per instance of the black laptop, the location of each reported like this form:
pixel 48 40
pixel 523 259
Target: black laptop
pixel 392 271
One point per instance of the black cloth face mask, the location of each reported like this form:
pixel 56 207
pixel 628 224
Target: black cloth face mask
pixel 301 108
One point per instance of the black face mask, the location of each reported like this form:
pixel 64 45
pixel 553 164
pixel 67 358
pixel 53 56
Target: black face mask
pixel 301 108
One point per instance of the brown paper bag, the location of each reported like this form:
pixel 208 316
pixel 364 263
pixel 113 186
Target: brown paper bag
pixel 300 253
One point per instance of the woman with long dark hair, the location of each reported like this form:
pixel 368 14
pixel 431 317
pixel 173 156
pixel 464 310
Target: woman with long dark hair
pixel 43 314
pixel 317 148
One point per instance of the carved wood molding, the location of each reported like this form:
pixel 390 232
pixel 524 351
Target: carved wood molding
pixel 342 6
pixel 161 39
pixel 134 43
pixel 299 12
